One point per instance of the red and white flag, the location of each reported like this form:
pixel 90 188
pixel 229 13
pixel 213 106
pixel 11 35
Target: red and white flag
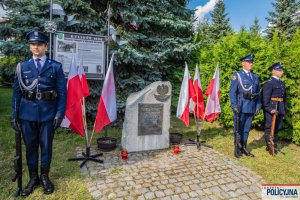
pixel 73 118
pixel 107 107
pixel 84 84
pixel 197 103
pixel 186 92
pixel 213 107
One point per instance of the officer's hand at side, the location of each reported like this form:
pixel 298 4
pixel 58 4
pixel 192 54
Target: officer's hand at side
pixel 236 110
pixel 274 112
pixel 57 122
pixel 14 124
pixel 257 111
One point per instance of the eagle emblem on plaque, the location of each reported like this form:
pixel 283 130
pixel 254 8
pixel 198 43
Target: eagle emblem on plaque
pixel 162 93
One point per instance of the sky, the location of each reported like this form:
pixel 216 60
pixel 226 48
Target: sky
pixel 240 12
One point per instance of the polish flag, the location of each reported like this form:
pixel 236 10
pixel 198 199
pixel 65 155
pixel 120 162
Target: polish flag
pixel 213 107
pixel 107 107
pixel 197 103
pixel 73 118
pixel 84 84
pixel 186 92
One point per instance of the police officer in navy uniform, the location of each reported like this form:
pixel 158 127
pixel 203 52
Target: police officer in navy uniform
pixel 274 94
pixel 244 101
pixel 39 104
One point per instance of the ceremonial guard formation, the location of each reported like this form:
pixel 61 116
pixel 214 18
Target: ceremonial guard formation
pixel 274 103
pixel 39 103
pixel 245 102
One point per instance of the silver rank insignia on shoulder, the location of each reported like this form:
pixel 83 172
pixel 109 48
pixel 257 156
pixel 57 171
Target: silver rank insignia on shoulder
pixel 233 77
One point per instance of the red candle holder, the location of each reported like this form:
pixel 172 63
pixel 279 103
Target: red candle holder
pixel 176 149
pixel 124 154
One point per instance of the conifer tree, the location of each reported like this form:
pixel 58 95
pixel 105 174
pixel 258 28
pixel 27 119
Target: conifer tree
pixel 220 21
pixel 157 34
pixel 255 28
pixel 291 77
pixel 284 18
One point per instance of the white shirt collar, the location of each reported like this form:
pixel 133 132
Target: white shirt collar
pixel 43 58
pixel 246 71
pixel 276 77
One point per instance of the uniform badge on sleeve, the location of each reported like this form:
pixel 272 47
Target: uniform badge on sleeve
pixel 233 77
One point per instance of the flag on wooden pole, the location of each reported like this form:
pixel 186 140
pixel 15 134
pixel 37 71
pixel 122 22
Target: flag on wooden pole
pixel 186 93
pixel 73 117
pixel 197 103
pixel 213 107
pixel 107 107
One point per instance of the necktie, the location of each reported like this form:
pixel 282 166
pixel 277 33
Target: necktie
pixel 250 76
pixel 39 66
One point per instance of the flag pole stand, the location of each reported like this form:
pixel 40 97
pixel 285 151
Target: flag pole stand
pixel 86 156
pixel 198 143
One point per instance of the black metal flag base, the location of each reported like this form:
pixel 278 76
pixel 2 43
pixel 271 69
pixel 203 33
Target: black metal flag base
pixel 197 143
pixel 87 156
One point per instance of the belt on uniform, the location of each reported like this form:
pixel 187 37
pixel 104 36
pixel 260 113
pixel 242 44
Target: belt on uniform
pixel 45 95
pixel 249 96
pixel 277 99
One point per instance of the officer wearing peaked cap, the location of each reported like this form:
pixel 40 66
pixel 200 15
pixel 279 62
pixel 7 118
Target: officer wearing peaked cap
pixel 274 93
pixel 245 102
pixel 39 103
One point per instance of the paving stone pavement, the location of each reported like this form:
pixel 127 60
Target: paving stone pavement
pixel 191 174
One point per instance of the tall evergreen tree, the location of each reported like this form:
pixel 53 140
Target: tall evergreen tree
pixel 204 35
pixel 255 28
pixel 284 18
pixel 220 21
pixel 158 34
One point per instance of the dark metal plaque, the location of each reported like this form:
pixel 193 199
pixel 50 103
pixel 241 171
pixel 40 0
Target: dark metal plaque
pixel 150 119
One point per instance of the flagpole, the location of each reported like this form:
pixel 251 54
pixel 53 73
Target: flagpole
pixel 93 132
pixel 86 156
pixel 84 123
pixel 107 49
pixel 197 142
pixel 197 124
pixel 107 63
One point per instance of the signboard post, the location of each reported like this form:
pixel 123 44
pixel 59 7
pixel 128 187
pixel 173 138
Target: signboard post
pixel 88 48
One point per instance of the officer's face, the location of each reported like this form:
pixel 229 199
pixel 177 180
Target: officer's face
pixel 247 65
pixel 38 49
pixel 277 73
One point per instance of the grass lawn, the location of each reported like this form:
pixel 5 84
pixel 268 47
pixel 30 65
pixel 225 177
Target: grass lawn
pixel 69 183
pixel 280 169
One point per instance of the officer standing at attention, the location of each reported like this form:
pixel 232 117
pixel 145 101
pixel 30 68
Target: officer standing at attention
pixel 39 104
pixel 274 94
pixel 245 102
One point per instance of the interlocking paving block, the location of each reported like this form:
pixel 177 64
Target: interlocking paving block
pixel 192 174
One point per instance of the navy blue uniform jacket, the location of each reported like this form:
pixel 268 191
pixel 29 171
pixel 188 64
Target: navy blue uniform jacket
pixel 276 89
pixel 50 78
pixel 237 91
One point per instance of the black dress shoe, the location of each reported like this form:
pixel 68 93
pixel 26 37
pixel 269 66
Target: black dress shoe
pixel 237 152
pixel 247 152
pixel 32 184
pixel 45 181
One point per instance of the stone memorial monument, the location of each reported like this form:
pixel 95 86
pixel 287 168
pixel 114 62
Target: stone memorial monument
pixel 147 118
